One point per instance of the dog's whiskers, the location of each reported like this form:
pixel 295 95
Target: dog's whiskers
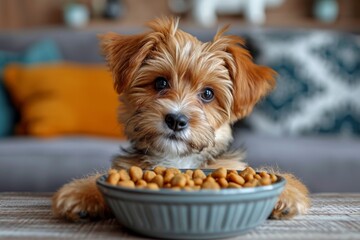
pixel 146 151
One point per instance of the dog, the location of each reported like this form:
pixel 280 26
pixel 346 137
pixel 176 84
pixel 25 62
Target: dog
pixel 179 98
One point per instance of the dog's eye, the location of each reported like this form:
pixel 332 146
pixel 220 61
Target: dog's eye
pixel 161 83
pixel 207 95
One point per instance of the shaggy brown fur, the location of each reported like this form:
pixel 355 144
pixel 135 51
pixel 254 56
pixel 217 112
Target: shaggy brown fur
pixel 190 67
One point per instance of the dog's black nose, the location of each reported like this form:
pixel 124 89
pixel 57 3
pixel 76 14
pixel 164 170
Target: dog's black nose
pixel 176 122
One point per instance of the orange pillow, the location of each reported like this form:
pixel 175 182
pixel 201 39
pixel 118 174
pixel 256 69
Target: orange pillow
pixel 64 98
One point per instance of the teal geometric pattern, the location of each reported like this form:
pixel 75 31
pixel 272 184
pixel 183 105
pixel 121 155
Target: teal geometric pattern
pixel 318 83
pixel 291 89
pixel 342 57
pixel 343 119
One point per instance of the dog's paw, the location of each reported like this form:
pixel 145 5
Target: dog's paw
pixel 288 208
pixel 79 200
pixel 294 200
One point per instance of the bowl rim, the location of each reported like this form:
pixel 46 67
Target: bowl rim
pixel 101 181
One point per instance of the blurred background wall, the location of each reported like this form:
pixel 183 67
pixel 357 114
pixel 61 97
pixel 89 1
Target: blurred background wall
pixel 20 14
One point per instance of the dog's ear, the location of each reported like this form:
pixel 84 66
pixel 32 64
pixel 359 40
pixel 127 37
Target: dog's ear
pixel 251 82
pixel 124 55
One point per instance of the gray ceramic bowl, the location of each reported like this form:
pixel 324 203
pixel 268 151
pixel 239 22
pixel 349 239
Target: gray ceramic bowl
pixel 200 214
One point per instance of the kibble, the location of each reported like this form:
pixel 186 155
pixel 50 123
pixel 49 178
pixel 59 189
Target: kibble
pixel 209 179
pixel 265 181
pixel 198 181
pixel 178 181
pixel 246 171
pixel 124 175
pixel 210 185
pixel 189 173
pixel 219 173
pixel 159 180
pixel 141 183
pixel 264 174
pixel 168 176
pixel 126 183
pixel 113 178
pixel 199 174
pixel 190 183
pixel 160 170
pixel 248 177
pixel 190 180
pixel 257 176
pixel 236 178
pixel 149 175
pixel 135 173
pixel 273 178
pixel 234 185
pixel 223 183
pixel 152 186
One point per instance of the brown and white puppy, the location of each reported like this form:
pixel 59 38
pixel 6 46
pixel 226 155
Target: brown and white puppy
pixel 179 98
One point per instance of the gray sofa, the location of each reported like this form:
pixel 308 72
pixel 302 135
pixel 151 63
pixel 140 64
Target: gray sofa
pixel 325 162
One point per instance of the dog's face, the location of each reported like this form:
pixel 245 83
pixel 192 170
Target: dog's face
pixel 177 92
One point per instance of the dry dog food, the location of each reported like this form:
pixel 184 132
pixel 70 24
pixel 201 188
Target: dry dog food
pixel 173 178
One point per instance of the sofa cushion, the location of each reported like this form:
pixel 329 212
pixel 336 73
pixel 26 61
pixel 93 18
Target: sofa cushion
pixel 64 98
pixel 323 163
pixel 36 164
pixel 42 51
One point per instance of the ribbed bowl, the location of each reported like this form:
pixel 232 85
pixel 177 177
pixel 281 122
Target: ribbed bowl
pixel 200 214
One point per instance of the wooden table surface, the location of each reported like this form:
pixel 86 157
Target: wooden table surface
pixel 28 216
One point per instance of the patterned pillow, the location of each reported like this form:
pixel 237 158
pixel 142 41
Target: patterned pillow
pixel 318 86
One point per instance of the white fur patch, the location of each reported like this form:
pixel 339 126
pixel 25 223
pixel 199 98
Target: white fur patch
pixel 192 161
pixel 222 136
